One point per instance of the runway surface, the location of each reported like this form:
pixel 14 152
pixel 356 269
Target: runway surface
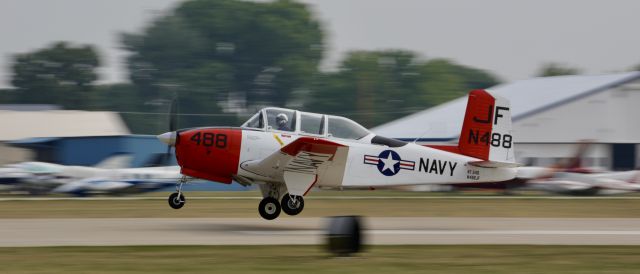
pixel 9 199
pixel 255 231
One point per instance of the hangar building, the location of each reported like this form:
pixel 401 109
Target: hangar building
pixel 71 137
pixel 551 117
pixel 35 122
pixel 144 150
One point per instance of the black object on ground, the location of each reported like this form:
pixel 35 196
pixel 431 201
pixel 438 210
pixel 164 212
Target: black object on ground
pixel 344 235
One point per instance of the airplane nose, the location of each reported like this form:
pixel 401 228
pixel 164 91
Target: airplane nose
pixel 168 138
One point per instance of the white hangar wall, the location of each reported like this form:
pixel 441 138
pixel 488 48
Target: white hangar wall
pixel 608 116
pixel 604 119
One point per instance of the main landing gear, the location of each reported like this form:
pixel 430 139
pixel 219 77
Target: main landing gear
pixel 292 205
pixel 269 208
pixel 177 200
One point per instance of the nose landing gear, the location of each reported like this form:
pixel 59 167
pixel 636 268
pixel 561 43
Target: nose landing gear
pixel 177 200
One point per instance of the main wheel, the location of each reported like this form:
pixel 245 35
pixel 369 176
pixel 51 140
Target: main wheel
pixel 176 202
pixel 292 206
pixel 269 208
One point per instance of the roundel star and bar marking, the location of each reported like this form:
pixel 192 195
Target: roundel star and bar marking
pixel 389 162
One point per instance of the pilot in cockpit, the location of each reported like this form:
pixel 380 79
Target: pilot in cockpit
pixel 281 121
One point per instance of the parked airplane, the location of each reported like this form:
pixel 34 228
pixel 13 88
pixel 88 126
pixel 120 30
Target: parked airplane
pixel 572 183
pixel 569 178
pixel 287 152
pixel 108 177
pixel 122 181
pixel 42 177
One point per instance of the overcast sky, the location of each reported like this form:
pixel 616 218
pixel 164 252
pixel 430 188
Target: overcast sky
pixel 510 38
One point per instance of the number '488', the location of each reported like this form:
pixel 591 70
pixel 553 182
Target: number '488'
pixel 209 139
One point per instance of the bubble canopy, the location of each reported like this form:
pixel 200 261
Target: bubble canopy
pixel 305 123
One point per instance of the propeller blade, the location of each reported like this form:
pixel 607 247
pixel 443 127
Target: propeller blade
pixel 173 123
pixel 168 154
pixel 173 114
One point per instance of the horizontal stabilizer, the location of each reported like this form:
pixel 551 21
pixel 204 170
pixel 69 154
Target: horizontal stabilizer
pixel 494 164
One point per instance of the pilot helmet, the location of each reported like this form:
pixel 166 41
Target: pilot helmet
pixel 282 119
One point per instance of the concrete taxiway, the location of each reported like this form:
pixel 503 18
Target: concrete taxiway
pixel 255 231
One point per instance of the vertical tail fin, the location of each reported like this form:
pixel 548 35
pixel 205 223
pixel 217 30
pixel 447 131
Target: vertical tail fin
pixel 486 132
pixel 575 163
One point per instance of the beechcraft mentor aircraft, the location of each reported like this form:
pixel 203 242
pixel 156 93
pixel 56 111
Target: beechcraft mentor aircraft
pixel 287 152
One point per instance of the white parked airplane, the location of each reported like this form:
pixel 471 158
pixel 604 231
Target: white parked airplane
pixel 572 183
pixel 122 181
pixel 568 179
pixel 108 177
pixel 287 152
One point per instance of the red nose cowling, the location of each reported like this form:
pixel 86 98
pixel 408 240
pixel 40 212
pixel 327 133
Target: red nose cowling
pixel 209 153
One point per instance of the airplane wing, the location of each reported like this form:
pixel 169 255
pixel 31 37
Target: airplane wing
pixel 559 185
pixel 299 164
pixel 566 182
pixel 609 183
pixel 112 186
pixel 90 185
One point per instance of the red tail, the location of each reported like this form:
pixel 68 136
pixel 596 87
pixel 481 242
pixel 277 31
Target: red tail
pixel 486 132
pixel 478 121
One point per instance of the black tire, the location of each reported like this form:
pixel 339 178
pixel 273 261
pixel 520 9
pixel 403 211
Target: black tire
pixel 289 207
pixel 269 208
pixel 175 202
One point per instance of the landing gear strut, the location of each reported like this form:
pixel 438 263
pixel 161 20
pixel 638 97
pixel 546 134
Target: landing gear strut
pixel 292 204
pixel 177 200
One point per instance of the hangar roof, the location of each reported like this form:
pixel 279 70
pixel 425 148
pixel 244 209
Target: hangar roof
pixel 59 123
pixel 528 97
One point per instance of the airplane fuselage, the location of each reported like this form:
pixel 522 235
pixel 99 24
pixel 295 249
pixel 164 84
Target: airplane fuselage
pixel 359 164
pixel 287 152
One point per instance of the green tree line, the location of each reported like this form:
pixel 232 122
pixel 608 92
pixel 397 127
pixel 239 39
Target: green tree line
pixel 224 59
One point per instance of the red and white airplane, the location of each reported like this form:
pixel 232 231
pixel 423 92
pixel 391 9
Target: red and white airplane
pixel 287 152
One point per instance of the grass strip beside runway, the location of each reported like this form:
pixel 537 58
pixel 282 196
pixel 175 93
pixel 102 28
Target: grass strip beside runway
pixel 301 259
pixel 391 207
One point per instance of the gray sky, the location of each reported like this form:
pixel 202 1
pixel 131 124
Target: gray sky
pixel 510 38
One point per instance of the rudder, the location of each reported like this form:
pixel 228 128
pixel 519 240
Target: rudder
pixel 486 131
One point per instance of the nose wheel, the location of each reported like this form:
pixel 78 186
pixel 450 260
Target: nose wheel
pixel 292 204
pixel 269 208
pixel 177 200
